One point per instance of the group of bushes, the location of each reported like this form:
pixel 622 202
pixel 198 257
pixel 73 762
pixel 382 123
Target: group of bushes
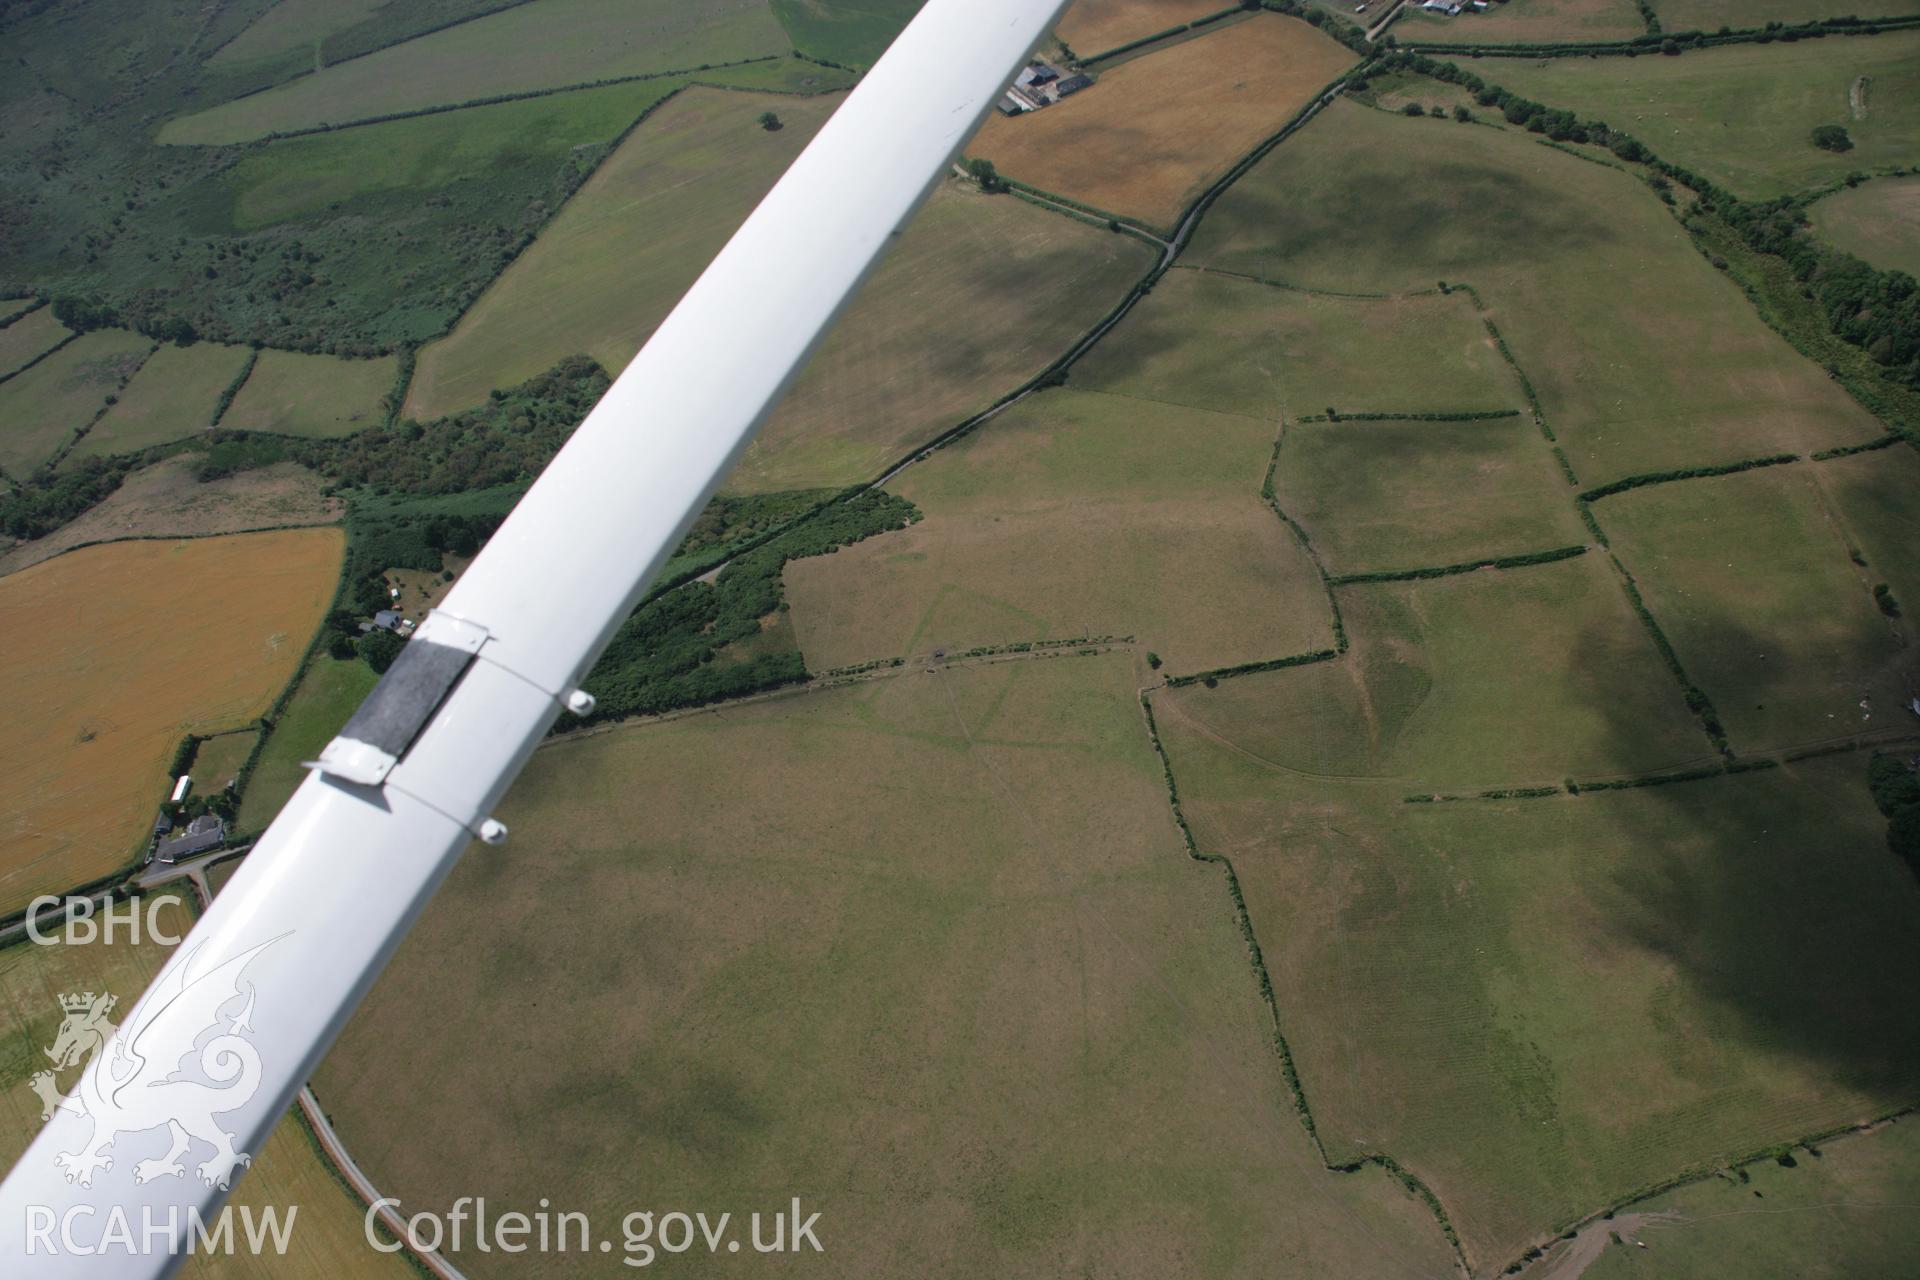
pixel 1877 311
pixel 664 655
pixel 1897 793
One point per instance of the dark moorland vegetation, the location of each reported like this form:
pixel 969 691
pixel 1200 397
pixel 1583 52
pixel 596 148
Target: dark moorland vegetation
pixel 124 231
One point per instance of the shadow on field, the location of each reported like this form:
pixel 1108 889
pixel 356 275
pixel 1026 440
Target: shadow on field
pixel 1777 902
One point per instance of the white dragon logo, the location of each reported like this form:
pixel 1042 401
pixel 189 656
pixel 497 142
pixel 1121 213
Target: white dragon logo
pixel 138 1082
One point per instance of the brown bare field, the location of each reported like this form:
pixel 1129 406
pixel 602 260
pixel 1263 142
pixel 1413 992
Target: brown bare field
pixel 1528 22
pixel 165 501
pixel 1540 1006
pixel 327 1240
pixel 1152 133
pixel 111 654
pixel 27 337
pixel 982 293
pixel 949 912
pixel 1075 514
pixel 296 394
pixel 1095 26
pixel 1749 577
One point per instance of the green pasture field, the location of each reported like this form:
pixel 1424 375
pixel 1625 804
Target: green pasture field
pixel 1493 679
pixel 328 1239
pixel 1526 22
pixel 982 293
pixel 1743 115
pixel 301 178
pixel 850 32
pixel 951 912
pixel 1644 357
pixel 1749 577
pixel 28 337
pixel 661 206
pixel 1073 514
pixel 1873 497
pixel 1877 221
pixel 1711 15
pixel 1840 1211
pixel 217 760
pixel 328 694
pixel 542 45
pixel 1218 342
pixel 1541 1006
pixel 42 408
pixel 173 396
pixel 1377 496
pixel 290 393
pixel 294 25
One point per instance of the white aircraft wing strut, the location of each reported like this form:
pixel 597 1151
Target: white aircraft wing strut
pixel 317 908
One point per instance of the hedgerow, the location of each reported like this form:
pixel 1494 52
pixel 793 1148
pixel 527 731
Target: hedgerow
pixel 1689 473
pixel 1469 566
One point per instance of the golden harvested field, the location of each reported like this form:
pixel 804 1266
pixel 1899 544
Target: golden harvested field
pixel 1076 514
pixel 173 396
pixel 1152 133
pixel 41 408
pixel 951 914
pixel 301 395
pixel 165 501
pixel 27 337
pixel 327 1241
pixel 982 292
pixel 542 45
pixel 659 208
pixel 110 655
pixel 1093 26
pixel 1529 22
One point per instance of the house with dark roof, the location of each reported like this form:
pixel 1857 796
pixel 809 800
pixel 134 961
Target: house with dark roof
pixel 205 832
